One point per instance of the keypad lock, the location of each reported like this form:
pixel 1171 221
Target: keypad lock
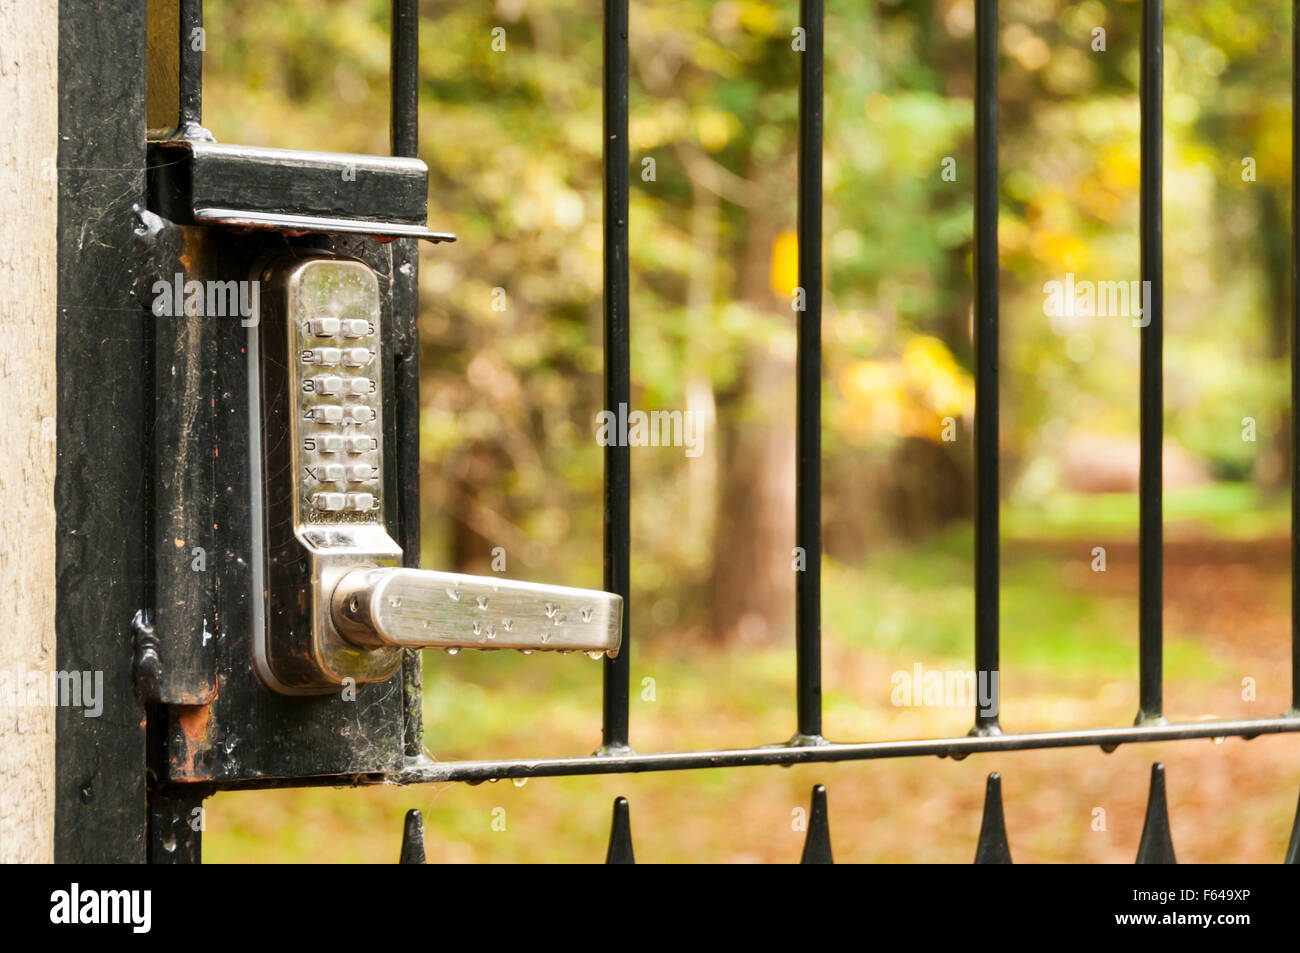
pixel 335 606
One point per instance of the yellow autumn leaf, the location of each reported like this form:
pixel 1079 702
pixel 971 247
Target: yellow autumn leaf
pixel 868 380
pixel 909 396
pixel 785 263
pixel 942 387
pixel 1065 252
pixel 1120 167
pixel 713 129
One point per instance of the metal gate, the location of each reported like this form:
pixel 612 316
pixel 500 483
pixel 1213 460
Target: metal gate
pixel 154 465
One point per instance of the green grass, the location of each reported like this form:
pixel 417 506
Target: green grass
pixel 1224 510
pixel 1069 653
pixel 918 603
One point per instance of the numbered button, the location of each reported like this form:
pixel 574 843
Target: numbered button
pixel 329 502
pixel 327 385
pixel 355 356
pixel 323 327
pixel 359 502
pixel 329 356
pixel 360 415
pixel 331 443
pixel 328 414
pixel 359 386
pixel 362 444
pixel 355 328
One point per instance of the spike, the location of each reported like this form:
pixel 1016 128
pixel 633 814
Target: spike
pixel 620 835
pixel 1293 850
pixel 413 838
pixel 992 847
pixel 1157 845
pixel 817 842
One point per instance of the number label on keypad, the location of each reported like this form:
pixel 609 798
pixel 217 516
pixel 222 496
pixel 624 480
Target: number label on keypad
pixel 333 330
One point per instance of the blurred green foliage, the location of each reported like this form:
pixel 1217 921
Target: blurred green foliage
pixel 513 141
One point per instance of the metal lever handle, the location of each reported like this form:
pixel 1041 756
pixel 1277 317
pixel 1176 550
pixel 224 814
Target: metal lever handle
pixel 417 608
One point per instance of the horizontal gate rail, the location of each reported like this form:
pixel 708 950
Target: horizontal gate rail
pixel 425 771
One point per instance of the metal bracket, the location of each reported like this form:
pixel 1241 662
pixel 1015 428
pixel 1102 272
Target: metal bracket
pixel 289 190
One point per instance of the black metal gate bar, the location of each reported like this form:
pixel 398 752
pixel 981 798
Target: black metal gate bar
pixel 404 118
pixel 191 66
pixel 992 847
pixel 426 771
pixel 1157 843
pixel 808 438
pixel 404 75
pixel 986 358
pixel 1151 390
pixel 1295 359
pixel 817 841
pixel 102 416
pixel 618 387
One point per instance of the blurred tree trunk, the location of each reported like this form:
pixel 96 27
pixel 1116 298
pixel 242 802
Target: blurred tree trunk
pixel 753 525
pixel 1272 466
pixel 753 577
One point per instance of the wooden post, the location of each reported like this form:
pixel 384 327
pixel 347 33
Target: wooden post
pixel 28 219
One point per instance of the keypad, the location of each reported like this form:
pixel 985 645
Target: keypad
pixel 339 423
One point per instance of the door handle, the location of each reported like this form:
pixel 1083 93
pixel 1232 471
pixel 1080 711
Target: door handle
pixel 333 607
pixel 417 608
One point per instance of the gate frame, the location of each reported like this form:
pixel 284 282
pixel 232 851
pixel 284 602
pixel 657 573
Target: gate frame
pixel 114 802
